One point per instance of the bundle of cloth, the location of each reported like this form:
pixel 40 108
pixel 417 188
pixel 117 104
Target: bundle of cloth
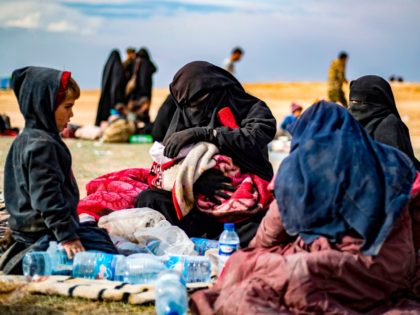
pixel 250 196
pixel 338 239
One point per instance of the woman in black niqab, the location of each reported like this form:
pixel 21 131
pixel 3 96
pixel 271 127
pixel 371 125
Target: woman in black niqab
pixel 372 104
pixel 202 92
pixel 113 87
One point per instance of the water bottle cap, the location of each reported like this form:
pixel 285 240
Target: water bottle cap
pixel 172 312
pixel 229 226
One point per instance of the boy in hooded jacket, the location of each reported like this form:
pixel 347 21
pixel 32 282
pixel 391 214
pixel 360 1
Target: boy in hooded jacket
pixel 40 191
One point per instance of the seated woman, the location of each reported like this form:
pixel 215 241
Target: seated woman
pixel 372 104
pixel 200 91
pixel 337 239
pixel 40 192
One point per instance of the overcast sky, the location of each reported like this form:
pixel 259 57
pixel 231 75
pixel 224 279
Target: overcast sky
pixel 284 40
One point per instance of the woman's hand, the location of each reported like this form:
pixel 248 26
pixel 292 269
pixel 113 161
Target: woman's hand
pixel 176 141
pixel 72 248
pixel 213 183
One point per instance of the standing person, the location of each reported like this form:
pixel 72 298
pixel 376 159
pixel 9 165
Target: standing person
pixel 112 88
pixel 201 90
pixel 144 70
pixel 129 62
pixel 40 191
pixel 235 56
pixel 372 104
pixel 336 78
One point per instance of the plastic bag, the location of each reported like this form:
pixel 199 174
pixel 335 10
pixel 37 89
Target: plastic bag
pixel 125 223
pixel 165 239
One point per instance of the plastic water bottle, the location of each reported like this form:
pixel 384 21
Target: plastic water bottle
pixel 228 244
pixel 95 265
pixel 192 268
pixel 171 294
pixel 52 262
pixel 201 245
pixel 140 138
pixel 139 269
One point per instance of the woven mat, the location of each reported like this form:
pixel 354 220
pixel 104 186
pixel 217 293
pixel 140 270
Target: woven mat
pixel 101 290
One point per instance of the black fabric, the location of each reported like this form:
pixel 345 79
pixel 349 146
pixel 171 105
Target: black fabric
pixel 40 190
pixel 200 90
pixel 92 238
pixel 372 104
pixel 144 81
pixel 112 88
pixel 163 119
pixel 212 183
pixel 196 223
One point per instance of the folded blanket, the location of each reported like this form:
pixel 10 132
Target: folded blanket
pixel 101 290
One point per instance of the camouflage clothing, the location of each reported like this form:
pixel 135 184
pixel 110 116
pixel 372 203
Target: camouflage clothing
pixel 336 78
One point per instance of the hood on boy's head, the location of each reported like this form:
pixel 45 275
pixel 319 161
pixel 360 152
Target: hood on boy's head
pixel 38 92
pixel 199 77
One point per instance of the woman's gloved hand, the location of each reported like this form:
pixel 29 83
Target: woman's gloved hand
pixel 212 183
pixel 176 141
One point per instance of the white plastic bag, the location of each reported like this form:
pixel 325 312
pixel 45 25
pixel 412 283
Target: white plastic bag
pixel 125 223
pixel 165 239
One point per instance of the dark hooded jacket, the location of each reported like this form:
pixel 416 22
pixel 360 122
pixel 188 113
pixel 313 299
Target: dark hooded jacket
pixel 145 71
pixel 338 180
pixel 216 88
pixel 40 190
pixel 372 104
pixel 113 87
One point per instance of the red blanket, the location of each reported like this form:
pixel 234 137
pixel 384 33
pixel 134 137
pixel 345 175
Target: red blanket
pixel 113 191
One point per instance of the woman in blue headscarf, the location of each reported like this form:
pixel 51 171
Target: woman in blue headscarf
pixel 338 238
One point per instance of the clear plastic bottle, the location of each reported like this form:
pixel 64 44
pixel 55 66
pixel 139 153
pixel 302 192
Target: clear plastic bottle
pixel 171 294
pixel 139 269
pixel 54 261
pixel 228 244
pixel 201 245
pixel 192 268
pixel 95 265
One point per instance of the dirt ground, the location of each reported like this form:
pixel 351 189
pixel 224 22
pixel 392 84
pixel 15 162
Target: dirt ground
pixel 91 159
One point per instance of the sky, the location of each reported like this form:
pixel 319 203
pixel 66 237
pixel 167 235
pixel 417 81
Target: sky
pixel 283 40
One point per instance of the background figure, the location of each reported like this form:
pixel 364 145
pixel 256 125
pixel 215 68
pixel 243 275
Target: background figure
pixel 144 69
pixel 372 104
pixel 336 78
pixel 113 87
pixel 235 56
pixel 129 62
pixel 289 120
pixel 163 118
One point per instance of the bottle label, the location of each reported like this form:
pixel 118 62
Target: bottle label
pixel 178 263
pixel 227 249
pixel 105 266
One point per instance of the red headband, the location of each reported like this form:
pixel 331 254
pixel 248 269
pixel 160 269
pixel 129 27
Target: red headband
pixel 64 83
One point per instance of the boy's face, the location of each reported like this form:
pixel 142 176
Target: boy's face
pixel 63 113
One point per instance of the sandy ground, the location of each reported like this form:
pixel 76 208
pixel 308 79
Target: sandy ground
pixel 91 159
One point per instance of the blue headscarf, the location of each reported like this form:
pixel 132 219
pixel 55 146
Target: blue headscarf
pixel 337 178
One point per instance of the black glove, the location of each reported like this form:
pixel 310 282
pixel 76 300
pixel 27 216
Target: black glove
pixel 176 141
pixel 211 183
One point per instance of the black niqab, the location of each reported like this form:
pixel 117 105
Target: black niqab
pixel 372 104
pixel 145 71
pixel 200 90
